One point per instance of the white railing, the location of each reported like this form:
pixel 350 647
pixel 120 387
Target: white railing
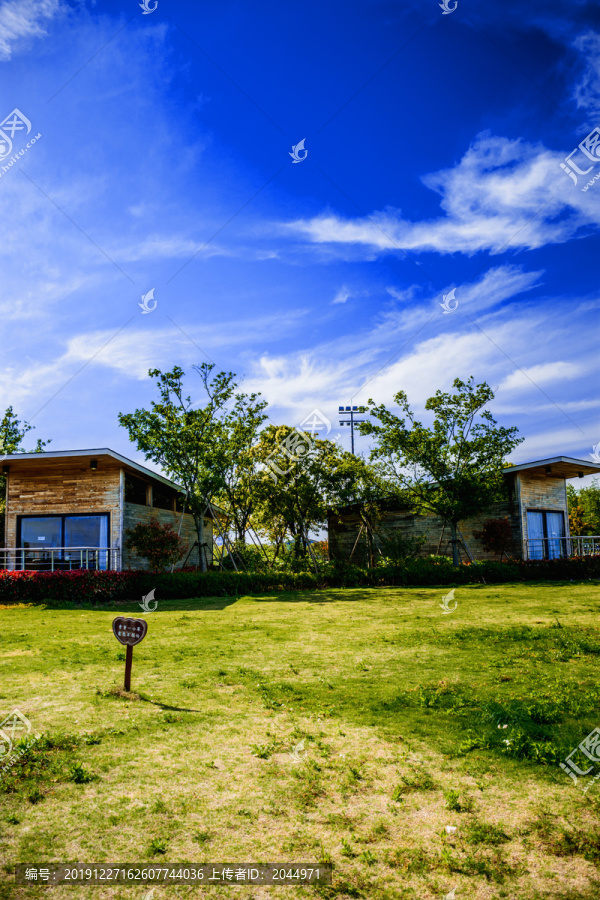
pixel 53 559
pixel 560 547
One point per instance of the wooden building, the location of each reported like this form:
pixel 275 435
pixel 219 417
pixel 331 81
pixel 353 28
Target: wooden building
pixel 70 509
pixel 535 506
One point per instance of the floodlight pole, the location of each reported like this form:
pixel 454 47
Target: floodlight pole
pixel 350 410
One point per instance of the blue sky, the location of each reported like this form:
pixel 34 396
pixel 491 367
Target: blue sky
pixel 434 148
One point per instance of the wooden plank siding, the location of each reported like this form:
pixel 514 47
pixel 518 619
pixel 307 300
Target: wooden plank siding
pixel 63 486
pixel 68 486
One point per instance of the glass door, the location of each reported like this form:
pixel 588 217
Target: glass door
pixel 535 534
pixel 555 526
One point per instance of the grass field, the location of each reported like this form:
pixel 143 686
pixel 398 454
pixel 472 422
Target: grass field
pixel 349 726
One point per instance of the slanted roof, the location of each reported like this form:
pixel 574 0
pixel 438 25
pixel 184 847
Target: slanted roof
pixel 560 467
pixel 102 453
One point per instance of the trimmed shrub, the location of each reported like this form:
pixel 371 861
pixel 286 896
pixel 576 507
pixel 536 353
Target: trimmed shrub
pixel 80 586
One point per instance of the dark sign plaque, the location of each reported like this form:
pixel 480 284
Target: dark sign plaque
pixel 129 632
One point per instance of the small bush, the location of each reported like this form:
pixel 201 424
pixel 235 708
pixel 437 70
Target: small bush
pixel 97 587
pixel 159 544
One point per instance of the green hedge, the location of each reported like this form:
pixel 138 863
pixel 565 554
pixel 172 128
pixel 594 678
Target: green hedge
pixel 106 587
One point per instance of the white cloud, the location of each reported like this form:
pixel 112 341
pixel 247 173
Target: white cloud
pixel 503 194
pixel 545 373
pixel 587 90
pixel 24 18
pixel 342 295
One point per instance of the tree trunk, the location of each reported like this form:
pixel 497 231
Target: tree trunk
pixel 454 539
pixel 201 540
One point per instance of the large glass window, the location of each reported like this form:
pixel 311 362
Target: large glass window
pixel 135 490
pixel 162 496
pixel 63 542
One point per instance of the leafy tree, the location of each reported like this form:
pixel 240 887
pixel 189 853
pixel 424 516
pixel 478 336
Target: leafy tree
pixel 584 508
pixel 184 440
pixel 300 478
pixel 159 544
pixel 237 462
pixel 577 523
pixel 12 432
pixel 496 536
pixel 454 468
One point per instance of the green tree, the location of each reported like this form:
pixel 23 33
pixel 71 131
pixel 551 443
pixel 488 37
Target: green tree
pixel 185 440
pixel 454 468
pixel 12 432
pixel 300 478
pixel 235 459
pixel 584 508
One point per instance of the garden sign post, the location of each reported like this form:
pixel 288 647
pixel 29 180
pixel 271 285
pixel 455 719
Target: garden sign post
pixel 129 632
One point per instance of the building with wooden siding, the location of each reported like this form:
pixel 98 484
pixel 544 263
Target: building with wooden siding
pixel 535 506
pixel 71 508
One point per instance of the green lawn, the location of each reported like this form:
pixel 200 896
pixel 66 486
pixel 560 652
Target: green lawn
pixel 392 708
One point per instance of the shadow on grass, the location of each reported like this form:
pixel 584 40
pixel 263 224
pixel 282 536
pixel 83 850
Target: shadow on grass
pixel 121 694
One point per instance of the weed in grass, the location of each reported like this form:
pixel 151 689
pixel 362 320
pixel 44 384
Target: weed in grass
pixel 80 775
pixel 157 846
pixel 188 683
pixel 202 837
pixel 454 802
pixel 159 806
pixel 347 849
pixel 13 820
pixel 482 833
pixel 309 782
pixel 575 842
pixel 421 781
pixel 340 820
pixel 119 655
pixel 36 796
pixel 368 857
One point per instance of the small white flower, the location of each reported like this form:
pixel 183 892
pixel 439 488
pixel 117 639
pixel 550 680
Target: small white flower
pixel 450 829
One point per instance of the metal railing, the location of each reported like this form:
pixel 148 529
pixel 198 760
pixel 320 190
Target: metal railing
pixel 54 559
pixel 561 547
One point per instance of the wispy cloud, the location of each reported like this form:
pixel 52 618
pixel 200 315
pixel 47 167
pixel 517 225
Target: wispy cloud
pixel 342 295
pixel 587 90
pixel 503 194
pixel 22 19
